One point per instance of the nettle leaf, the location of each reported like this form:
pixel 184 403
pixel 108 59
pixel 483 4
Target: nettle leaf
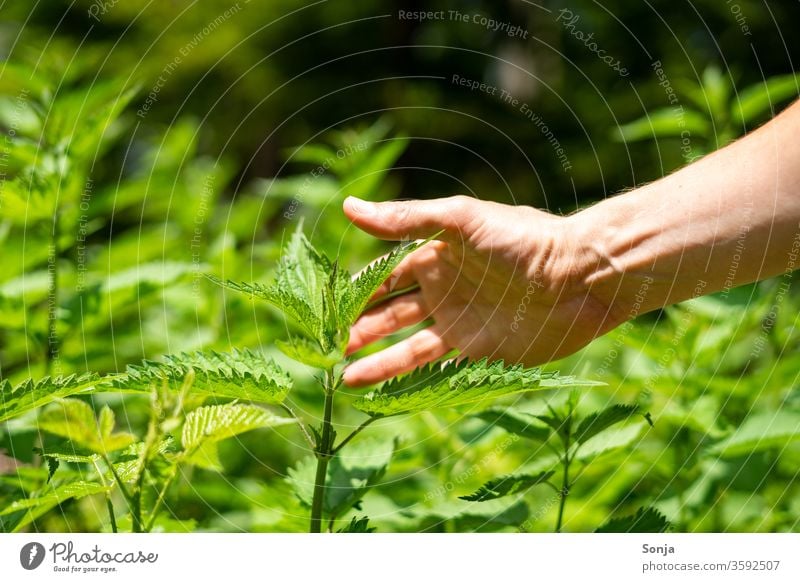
pixel 47 499
pixel 319 297
pixel 757 100
pixel 308 352
pixel 663 123
pixel 761 431
pixel 508 485
pixel 206 426
pixel 357 525
pixel 241 374
pixel 364 286
pixel 350 475
pixel 32 394
pixel 645 520
pixel 516 422
pixel 597 422
pixel 453 384
pixel 75 421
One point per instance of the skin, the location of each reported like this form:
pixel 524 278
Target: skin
pixel 522 285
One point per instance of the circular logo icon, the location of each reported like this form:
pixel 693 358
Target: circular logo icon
pixel 31 555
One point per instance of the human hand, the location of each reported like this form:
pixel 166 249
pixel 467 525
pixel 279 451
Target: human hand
pixel 501 282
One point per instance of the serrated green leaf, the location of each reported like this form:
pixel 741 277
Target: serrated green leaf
pixel 206 426
pixel 516 422
pixel 47 499
pixel 451 384
pixel 356 296
pixel 609 440
pixel 508 485
pixel 597 422
pixel 645 520
pixel 760 99
pixel 357 525
pixel 761 431
pixel 351 473
pixel 31 394
pixel 664 123
pixel 75 421
pixel 241 374
pixel 307 352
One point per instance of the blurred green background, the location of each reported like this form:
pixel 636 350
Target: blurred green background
pixel 195 132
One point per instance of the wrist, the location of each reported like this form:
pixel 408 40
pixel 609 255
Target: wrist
pixel 615 243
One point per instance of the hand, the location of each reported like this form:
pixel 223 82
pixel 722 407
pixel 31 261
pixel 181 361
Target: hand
pixel 502 282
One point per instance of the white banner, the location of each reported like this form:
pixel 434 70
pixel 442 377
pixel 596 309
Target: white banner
pixel 390 557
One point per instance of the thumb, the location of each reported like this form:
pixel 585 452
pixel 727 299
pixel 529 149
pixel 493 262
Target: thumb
pixel 412 219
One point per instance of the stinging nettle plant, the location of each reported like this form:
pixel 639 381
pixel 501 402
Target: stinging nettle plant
pixel 322 301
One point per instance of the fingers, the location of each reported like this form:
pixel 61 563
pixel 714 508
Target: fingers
pixel 422 347
pixel 394 315
pixel 412 219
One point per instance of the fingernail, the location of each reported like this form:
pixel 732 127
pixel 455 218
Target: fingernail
pixel 361 207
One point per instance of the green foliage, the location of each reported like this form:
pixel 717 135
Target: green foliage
pixel 29 509
pixel 350 475
pixel 761 431
pixel 319 297
pixel 718 113
pixel 508 485
pixel 243 374
pixel 31 394
pixel 206 426
pixel 74 420
pixel 645 520
pixel 454 384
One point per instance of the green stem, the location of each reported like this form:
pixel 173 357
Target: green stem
pixel 564 492
pixel 350 437
pixel 109 504
pixel 120 483
pixel 301 424
pixel 565 481
pixel 160 501
pixel 324 453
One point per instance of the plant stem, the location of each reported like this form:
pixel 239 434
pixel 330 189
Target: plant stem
pixel 350 437
pixel 109 505
pixel 565 480
pixel 323 451
pixel 301 424
pixel 564 492
pixel 160 501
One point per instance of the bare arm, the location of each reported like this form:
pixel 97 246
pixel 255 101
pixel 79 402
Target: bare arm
pixel 515 283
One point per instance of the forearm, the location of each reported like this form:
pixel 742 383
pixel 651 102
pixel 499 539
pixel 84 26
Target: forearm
pixel 731 218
